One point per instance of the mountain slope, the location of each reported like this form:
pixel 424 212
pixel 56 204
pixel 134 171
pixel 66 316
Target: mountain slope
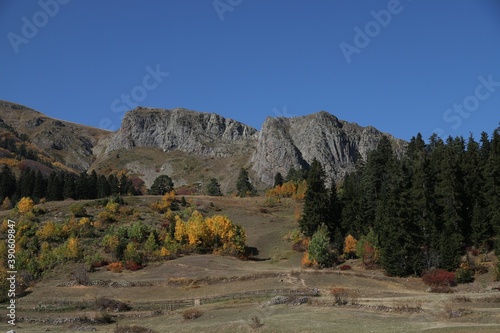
pixel 69 143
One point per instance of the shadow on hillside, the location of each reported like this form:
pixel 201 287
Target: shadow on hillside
pixel 252 254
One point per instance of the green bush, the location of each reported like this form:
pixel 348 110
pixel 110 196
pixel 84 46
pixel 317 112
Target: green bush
pixel 464 275
pixel 78 210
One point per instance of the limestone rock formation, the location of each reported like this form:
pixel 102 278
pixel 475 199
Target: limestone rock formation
pixel 180 129
pixel 294 142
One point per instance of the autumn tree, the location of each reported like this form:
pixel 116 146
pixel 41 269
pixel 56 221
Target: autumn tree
pixel 350 246
pixel 319 246
pixel 25 205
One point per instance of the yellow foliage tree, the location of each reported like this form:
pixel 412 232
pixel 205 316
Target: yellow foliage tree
pixel 110 243
pixel 48 231
pixel 72 248
pixel 350 245
pixel 197 230
pixel 165 203
pixel 25 205
pixel 181 233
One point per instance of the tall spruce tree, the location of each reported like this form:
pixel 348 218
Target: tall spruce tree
pixel 243 186
pixel 315 211
pixel 334 222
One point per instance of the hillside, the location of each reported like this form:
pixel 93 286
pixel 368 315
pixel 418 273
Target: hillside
pixel 271 294
pixel 65 142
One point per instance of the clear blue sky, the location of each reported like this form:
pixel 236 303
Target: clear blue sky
pixel 250 59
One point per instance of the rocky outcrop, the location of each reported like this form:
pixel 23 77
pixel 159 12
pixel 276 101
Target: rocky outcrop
pixel 180 129
pixel 284 143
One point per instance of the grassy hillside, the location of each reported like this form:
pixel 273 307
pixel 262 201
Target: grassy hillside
pixel 233 295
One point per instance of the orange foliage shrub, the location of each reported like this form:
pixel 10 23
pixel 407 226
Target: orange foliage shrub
pixel 350 245
pixel 291 189
pixel 115 267
pixel 306 261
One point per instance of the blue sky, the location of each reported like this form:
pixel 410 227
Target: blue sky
pixel 401 66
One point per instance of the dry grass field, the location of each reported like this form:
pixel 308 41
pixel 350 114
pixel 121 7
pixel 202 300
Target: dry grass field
pixel 209 293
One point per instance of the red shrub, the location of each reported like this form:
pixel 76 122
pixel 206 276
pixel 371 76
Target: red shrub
pixel 345 267
pixel 133 266
pixel 439 277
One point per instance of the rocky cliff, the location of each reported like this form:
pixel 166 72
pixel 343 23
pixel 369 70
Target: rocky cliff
pixel 179 129
pixel 294 142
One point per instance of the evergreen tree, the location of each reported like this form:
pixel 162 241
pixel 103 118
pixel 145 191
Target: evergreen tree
pixel 92 185
pixel 243 186
pixel 213 188
pixel 278 180
pixel 450 199
pixel 103 188
pixel 399 235
pixel 114 184
pixel 334 222
pixel 55 187
pixel 39 187
pixel 69 190
pixel 351 199
pixel 162 184
pixel 492 175
pixel 375 173
pixel 8 183
pixel 126 187
pixel 315 211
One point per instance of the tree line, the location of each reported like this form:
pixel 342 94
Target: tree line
pixel 418 211
pixel 61 185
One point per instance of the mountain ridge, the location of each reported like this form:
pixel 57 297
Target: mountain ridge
pixel 280 144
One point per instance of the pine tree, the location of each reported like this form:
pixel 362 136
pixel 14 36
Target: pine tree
pixel 103 188
pixel 375 174
pixel 243 186
pixel 69 190
pixel 39 187
pixel 315 210
pixel 278 180
pixel 213 188
pixel 8 183
pixel 114 185
pixel 492 174
pixel 450 199
pixel 399 236
pixel 334 222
